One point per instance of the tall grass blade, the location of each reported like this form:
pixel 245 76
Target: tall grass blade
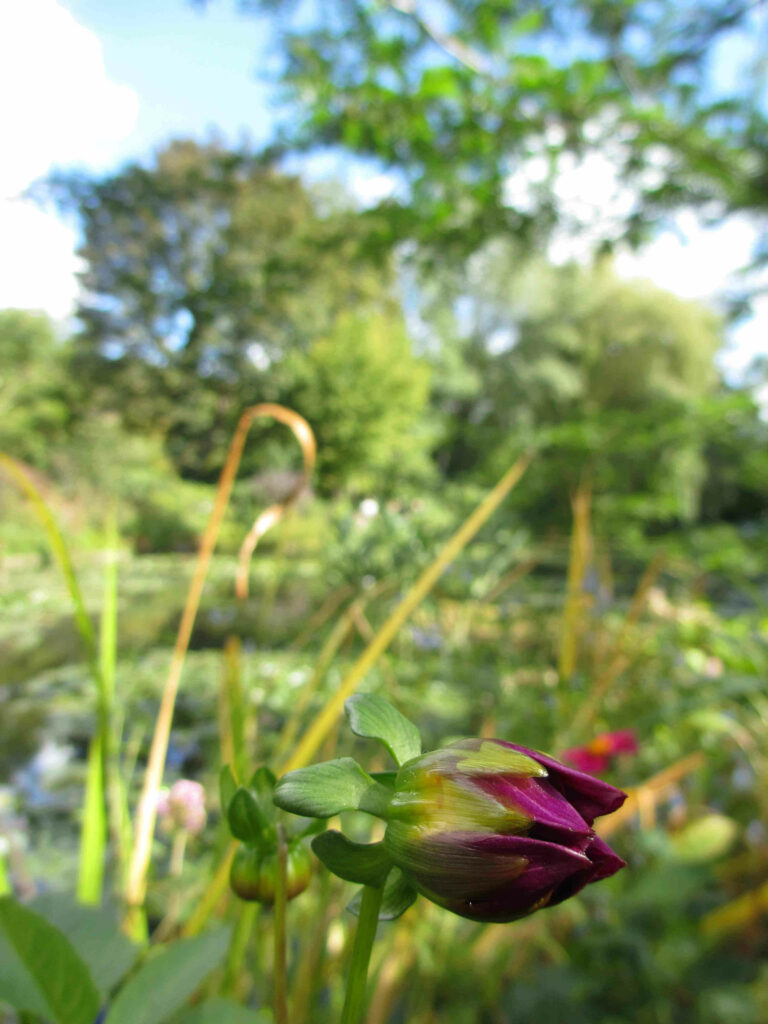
pixel 93 837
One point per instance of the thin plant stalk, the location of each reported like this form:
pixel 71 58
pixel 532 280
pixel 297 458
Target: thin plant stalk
pixel 246 921
pixel 323 723
pixel 90 879
pixel 618 659
pixel 333 642
pixel 581 549
pixel 354 1001
pixel 279 931
pixel 217 888
pixel 146 813
pixel 326 611
pixel 5 882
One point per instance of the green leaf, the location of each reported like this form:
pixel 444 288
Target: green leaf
pixel 322 790
pixel 374 717
pixel 246 818
pixel 707 838
pixel 96 936
pixel 168 978
pixel 399 894
pixel 227 788
pixel 365 863
pixel 222 1011
pixel 43 973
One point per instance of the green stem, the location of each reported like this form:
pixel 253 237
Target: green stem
pixel 246 922
pixel 281 904
pixel 361 955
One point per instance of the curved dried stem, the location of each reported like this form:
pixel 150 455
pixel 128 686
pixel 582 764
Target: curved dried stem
pixel 146 811
pixel 303 434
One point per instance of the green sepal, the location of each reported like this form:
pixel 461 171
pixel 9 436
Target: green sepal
pixel 398 895
pixel 227 788
pixel 322 790
pixel 373 717
pixel 364 863
pixel 247 821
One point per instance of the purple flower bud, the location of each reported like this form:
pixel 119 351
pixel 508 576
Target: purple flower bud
pixel 493 831
pixel 182 807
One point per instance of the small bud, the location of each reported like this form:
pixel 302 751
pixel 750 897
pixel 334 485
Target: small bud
pixel 253 875
pixel 182 807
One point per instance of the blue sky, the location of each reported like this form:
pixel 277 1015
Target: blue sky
pixel 191 67
pixel 98 82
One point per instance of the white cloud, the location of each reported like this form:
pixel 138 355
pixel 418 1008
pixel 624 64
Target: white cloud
pixel 59 107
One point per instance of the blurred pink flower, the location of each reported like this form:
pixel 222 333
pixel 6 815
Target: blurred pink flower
pixel 596 756
pixel 182 807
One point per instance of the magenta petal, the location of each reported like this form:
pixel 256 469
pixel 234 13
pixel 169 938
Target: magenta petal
pixel 550 869
pixel 605 861
pixel 542 803
pixel 590 796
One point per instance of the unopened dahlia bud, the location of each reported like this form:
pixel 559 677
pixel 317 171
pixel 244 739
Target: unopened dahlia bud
pixel 253 875
pixel 182 807
pixel 493 831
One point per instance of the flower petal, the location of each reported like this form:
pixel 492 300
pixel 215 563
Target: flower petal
pixel 590 796
pixel 549 867
pixel 552 816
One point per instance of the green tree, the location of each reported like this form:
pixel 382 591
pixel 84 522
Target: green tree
pixel 204 270
pixel 366 396
pixel 459 97
pixel 610 378
pixel 36 397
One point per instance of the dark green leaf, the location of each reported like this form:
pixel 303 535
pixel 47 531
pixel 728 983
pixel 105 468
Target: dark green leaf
pixel 222 1011
pixel 374 717
pixel 96 936
pixel 44 974
pixel 168 978
pixel 365 863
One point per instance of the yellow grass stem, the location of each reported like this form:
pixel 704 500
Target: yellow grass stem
pixel 146 811
pixel 618 660
pixel 212 894
pixel 737 914
pixel 333 642
pixel 323 723
pixel 326 611
pixel 578 562
pixel 645 798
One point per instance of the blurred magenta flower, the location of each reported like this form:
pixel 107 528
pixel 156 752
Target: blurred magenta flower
pixel 494 831
pixel 595 757
pixel 182 807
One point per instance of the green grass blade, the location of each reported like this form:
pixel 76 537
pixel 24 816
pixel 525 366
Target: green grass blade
pixel 93 836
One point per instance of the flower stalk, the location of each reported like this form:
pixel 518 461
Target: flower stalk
pixel 354 1001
